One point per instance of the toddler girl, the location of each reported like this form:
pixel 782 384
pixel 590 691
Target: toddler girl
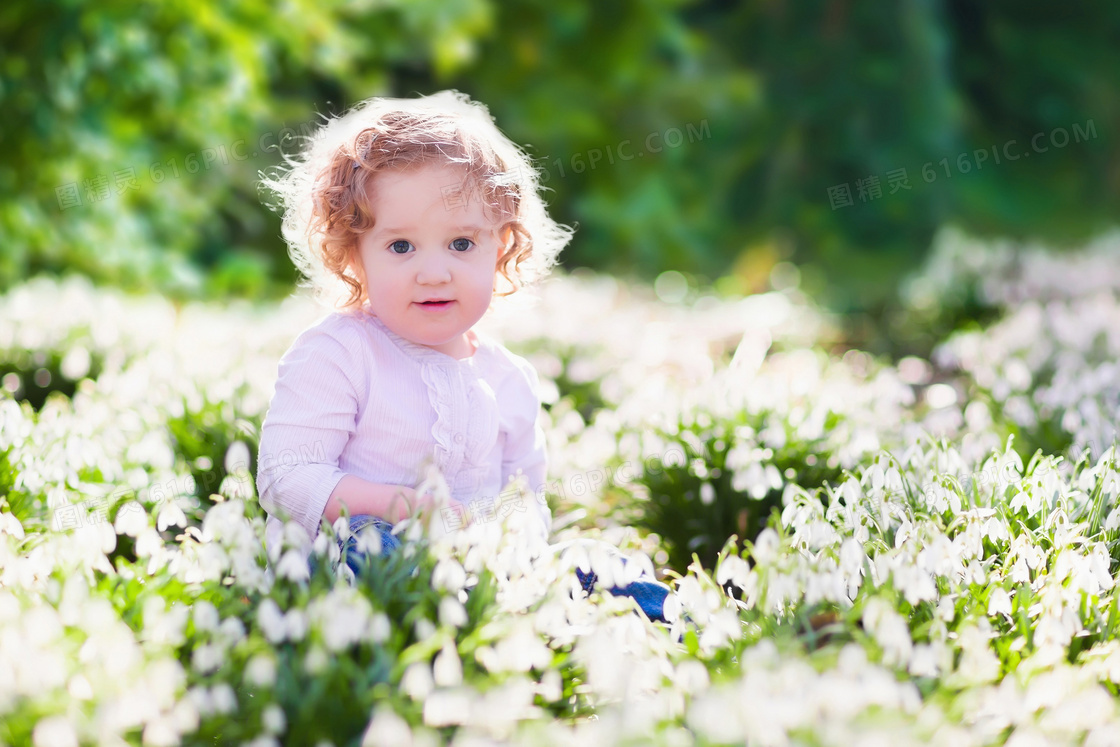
pixel 409 215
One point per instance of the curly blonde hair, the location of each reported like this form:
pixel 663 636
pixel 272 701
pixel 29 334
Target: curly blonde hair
pixel 324 192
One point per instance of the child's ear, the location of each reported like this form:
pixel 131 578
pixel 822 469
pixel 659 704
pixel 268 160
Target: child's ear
pixel 505 236
pixel 355 266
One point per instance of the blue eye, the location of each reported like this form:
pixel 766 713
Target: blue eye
pixel 461 245
pixel 400 247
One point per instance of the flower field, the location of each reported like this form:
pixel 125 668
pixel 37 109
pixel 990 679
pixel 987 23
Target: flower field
pixel 864 551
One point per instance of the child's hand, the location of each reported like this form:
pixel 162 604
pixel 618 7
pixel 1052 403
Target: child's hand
pixel 407 502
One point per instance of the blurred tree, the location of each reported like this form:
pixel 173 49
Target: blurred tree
pixel 133 133
pixel 708 137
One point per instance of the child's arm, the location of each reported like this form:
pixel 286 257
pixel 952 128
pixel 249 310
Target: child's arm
pixel 525 451
pixel 390 502
pixel 312 415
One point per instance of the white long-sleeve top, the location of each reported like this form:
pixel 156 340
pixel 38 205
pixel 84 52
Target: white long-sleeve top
pixel 352 397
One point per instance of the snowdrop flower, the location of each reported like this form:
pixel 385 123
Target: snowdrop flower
pixel 519 650
pixel 54 731
pixel 293 567
pixel 766 546
pixel 380 627
pixel 447 671
pixel 999 602
pixel 273 720
pixel 200 697
pixel 10 525
pixel 131 520
pixel 852 558
pixel 296 624
pixel 447 707
pixel 978 663
pixel 170 515
pixel 929 659
pixel 223 699
pixel 205 615
pixel 733 569
pixel 449 576
pixel 342 616
pixel 237 458
pixel 271 620
pixel 165 628
pixel 261 670
pixel 265 740
pixel 316 660
pixel 387 729
pixel 889 630
pixel 161 732
pixel 207 657
pixel 451 612
pixel 417 681
pixel 231 630
pixel 916 585
pixel 722 627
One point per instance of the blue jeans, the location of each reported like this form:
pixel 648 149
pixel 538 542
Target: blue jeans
pixel 647 592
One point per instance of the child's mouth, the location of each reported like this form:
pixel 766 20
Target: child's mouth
pixel 435 305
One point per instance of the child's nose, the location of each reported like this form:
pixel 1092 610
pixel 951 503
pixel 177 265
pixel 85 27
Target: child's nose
pixel 434 268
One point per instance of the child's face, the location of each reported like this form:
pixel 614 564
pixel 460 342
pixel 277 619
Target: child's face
pixel 430 260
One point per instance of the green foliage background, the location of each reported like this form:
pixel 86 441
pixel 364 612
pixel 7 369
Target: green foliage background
pixel 775 103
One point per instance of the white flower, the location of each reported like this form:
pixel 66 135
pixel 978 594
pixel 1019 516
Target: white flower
pixel 207 658
pixel 160 732
pixel 9 524
pixel 222 698
pixel 203 701
pixel 271 620
pixel 316 660
pixel 449 576
pixel 890 631
pixel 766 546
pixel 852 557
pixel 451 612
pixel 170 515
pixel 232 630
pixel 293 566
pixel 261 670
pixel 978 663
pixel 519 650
pixel 387 729
pixel 273 720
pixel 343 618
pixel 206 616
pixel 131 519
pixel 380 627
pixel 296 624
pixel 447 671
pixel 417 681
pixel 264 740
pixel 237 458
pixel 54 731
pixel 999 602
pixel 447 707
pixel 707 494
pixel 925 661
pixel 733 569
